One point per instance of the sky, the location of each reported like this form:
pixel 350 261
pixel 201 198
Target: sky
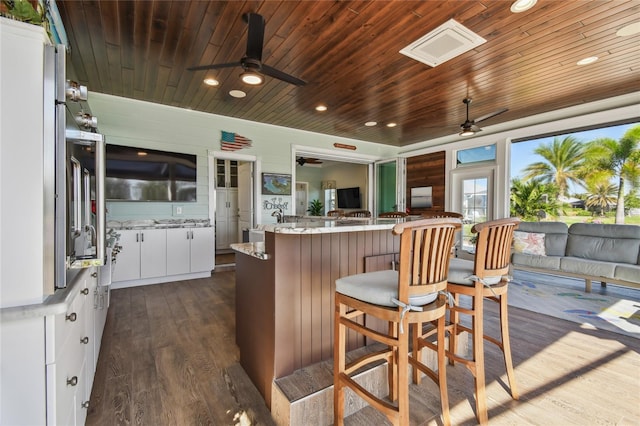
pixel 522 152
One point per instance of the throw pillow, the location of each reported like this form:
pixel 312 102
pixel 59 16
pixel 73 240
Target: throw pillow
pixel 528 243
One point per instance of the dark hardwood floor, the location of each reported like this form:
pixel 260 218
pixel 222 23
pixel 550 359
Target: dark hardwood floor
pixel 169 357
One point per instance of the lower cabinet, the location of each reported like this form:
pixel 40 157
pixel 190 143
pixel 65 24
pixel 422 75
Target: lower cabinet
pixel 71 353
pixel 143 254
pixel 189 250
pixel 161 255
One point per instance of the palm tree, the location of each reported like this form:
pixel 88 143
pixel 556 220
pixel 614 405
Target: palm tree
pixel 602 194
pixel 563 160
pixel 530 198
pixel 622 159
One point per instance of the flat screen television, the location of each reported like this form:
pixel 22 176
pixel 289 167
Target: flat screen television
pixel 140 174
pixel 349 198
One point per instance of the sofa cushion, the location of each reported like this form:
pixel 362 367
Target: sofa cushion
pixel 608 243
pixel 555 239
pixel 594 268
pixel 379 288
pixel 543 262
pixel 628 273
pixel 528 243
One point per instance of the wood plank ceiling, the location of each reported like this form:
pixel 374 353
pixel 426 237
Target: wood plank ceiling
pixel 347 51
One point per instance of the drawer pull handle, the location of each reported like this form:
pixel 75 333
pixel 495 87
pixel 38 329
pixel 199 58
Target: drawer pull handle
pixel 94 275
pixel 84 340
pixel 72 381
pixel 85 404
pixel 85 291
pixel 71 317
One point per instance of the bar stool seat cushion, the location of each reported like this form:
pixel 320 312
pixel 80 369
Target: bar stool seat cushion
pixel 378 288
pixel 461 271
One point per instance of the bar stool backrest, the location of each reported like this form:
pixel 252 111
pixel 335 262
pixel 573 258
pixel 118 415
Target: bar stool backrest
pixel 393 214
pixel 425 247
pixel 493 247
pixel 359 213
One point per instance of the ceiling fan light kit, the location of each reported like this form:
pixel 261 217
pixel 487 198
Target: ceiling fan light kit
pixel 252 78
pixel 251 62
pixel 469 128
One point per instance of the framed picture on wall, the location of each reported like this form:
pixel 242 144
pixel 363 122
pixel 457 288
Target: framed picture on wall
pixel 276 184
pixel 421 197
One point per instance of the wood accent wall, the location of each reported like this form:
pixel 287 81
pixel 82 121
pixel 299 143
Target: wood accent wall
pixel 285 305
pixel 427 170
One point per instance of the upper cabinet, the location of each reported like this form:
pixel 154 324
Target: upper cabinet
pixel 226 173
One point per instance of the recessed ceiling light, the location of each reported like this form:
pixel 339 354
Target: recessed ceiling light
pixel 321 108
pixel 628 30
pixel 252 78
pixel 237 93
pixel 211 82
pixel 522 5
pixel 141 153
pixel 370 123
pixel 391 124
pixel 587 61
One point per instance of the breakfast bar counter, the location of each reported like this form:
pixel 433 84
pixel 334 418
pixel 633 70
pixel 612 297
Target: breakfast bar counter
pixel 285 290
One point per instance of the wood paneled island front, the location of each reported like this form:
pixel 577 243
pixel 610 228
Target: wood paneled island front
pixel 285 288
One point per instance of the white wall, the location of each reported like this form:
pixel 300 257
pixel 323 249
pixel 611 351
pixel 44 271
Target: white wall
pixel 143 124
pixel 136 123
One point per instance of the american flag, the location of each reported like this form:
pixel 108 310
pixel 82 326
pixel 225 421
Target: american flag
pixel 233 141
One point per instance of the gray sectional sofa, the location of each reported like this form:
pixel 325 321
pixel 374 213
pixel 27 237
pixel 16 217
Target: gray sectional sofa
pixel 605 253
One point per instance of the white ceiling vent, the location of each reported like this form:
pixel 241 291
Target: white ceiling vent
pixel 445 42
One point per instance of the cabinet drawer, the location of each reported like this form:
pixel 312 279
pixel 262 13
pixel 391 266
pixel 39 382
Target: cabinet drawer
pixel 67 328
pixel 64 383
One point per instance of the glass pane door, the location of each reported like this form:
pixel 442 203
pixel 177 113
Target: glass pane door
pixel 389 178
pixel 474 206
pixel 472 195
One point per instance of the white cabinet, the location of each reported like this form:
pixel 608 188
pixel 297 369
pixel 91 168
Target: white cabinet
pixel 202 250
pixel 143 255
pixel 178 251
pixel 227 214
pixel 189 250
pixel 70 355
pixel 227 210
pixel 153 256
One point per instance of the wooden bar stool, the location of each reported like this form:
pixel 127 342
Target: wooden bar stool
pixel 412 295
pixel 430 215
pixel 393 214
pixel 485 278
pixel 359 213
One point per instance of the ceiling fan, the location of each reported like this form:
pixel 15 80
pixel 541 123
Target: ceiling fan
pixel 251 62
pixel 302 161
pixel 469 127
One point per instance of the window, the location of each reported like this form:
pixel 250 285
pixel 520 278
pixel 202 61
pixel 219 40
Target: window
pixel 476 155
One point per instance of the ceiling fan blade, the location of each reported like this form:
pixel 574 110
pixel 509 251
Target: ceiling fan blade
pixel 272 72
pixel 214 66
pixel 255 35
pixel 491 115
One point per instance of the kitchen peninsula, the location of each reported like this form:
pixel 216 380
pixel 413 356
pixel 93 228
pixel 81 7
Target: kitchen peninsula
pixel 285 289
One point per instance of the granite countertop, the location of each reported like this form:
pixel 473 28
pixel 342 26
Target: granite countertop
pixel 330 226
pixel 256 249
pixel 158 223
